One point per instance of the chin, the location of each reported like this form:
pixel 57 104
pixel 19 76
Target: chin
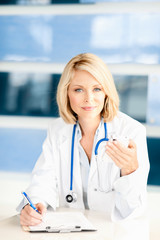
pixel 90 116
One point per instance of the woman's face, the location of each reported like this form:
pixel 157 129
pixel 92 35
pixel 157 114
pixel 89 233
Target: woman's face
pixel 86 95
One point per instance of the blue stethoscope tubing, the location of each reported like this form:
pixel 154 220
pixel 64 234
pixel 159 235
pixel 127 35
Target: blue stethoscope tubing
pixel 101 140
pixel 72 156
pixel 72 150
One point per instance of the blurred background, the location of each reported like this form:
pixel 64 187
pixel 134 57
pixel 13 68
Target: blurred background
pixel 37 39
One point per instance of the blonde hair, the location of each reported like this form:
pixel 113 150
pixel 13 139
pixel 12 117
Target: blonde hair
pixel 98 69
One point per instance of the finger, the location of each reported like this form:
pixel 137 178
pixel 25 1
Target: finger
pixel 116 151
pixel 29 221
pixel 32 213
pixel 115 160
pixel 121 147
pixel 127 151
pixel 132 144
pixel 120 159
pixel 41 208
pixel 26 213
pixel 26 219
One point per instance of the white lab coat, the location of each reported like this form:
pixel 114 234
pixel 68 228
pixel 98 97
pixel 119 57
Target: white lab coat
pixel 122 197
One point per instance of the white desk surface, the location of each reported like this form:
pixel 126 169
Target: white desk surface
pixel 136 229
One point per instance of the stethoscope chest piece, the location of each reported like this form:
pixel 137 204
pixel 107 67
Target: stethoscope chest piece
pixel 71 197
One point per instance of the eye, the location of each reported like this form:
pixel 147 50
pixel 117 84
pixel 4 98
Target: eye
pixel 78 90
pixel 97 89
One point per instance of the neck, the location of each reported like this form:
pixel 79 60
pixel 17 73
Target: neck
pixel 89 127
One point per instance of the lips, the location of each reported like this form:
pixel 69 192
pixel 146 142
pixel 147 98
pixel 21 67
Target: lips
pixel 88 108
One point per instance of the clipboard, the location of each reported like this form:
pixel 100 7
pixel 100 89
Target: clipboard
pixel 62 222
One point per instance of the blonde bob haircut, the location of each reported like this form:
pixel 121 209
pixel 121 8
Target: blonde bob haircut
pixel 98 69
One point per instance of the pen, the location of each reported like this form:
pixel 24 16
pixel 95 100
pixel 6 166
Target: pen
pixel 30 202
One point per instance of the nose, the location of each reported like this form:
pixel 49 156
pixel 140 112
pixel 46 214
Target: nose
pixel 88 97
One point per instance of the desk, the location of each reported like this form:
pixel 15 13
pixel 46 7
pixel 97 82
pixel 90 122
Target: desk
pixel 136 229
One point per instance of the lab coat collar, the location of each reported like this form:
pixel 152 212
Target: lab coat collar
pixel 65 132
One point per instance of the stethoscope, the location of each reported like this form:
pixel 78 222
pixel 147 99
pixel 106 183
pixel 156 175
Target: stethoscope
pixel 72 196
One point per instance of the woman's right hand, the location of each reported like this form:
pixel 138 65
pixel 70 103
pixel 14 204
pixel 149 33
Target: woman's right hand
pixel 29 217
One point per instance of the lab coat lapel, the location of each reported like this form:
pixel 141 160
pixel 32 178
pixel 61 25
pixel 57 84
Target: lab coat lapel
pixel 65 152
pixel 65 163
pixel 77 179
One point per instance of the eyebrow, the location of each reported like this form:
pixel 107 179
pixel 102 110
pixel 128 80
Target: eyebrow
pixel 78 85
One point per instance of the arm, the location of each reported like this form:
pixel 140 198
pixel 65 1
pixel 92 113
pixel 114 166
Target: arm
pixel 42 189
pixel 130 188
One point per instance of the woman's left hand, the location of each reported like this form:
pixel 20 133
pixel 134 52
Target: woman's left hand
pixel 125 158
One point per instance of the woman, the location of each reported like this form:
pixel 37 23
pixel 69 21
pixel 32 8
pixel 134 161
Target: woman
pixel 69 172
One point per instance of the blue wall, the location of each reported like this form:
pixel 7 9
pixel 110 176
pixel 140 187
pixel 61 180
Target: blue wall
pixel 20 148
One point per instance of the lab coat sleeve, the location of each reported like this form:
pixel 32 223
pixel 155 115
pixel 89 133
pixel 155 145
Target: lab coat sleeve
pixel 130 190
pixel 43 186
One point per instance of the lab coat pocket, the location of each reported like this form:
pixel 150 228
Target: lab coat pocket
pixel 100 194
pixel 101 179
pixel 104 181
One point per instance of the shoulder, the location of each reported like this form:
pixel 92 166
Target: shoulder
pixel 125 119
pixel 58 127
pixel 128 124
pixel 58 124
